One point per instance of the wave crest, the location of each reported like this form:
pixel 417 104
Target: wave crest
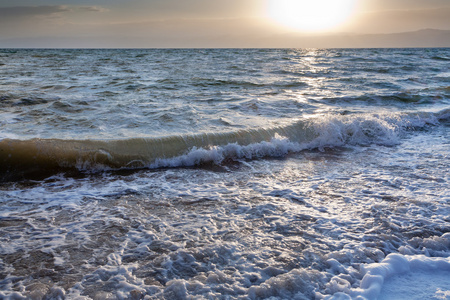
pixel 42 156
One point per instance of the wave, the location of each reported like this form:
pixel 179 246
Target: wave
pixel 426 96
pixel 42 157
pixel 441 58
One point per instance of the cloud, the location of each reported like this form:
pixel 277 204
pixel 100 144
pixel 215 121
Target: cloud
pixel 18 12
pixel 14 12
pixel 92 8
pixel 44 20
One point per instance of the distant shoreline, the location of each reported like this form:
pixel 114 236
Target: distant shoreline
pixel 424 38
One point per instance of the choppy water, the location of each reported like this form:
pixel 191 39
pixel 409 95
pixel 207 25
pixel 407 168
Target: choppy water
pixel 229 174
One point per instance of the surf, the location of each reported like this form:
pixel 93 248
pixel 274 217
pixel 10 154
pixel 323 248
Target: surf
pixel 31 157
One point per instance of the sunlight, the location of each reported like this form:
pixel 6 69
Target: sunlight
pixel 310 15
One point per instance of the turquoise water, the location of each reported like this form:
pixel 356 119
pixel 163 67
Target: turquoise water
pixel 231 173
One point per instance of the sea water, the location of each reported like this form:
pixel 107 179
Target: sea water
pixel 225 174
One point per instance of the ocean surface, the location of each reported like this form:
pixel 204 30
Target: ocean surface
pixel 225 174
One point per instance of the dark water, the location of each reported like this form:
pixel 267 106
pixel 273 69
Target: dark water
pixel 233 174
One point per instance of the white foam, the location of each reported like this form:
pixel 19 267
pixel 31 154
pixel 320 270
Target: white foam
pixel 329 131
pixel 277 147
pixel 362 129
pixel 401 277
pixel 279 229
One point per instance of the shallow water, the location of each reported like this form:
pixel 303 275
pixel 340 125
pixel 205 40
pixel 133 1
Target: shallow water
pixel 230 174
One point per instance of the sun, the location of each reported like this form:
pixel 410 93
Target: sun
pixel 310 15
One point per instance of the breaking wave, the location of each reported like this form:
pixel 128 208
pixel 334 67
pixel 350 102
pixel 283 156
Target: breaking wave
pixel 41 157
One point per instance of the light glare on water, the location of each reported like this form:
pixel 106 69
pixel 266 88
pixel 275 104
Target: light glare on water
pixel 224 174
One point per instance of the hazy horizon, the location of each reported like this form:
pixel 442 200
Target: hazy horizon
pixel 230 24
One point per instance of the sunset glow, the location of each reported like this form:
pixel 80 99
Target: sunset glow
pixel 310 16
pixel 223 23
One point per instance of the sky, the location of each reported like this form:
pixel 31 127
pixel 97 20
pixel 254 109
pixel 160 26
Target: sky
pixel 220 23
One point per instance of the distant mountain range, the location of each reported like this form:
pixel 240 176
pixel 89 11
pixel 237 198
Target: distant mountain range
pixel 420 38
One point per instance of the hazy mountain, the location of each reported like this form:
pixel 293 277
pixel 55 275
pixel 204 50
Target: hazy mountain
pixel 420 38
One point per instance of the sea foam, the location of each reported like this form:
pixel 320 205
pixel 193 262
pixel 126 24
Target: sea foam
pixel 415 269
pixel 327 131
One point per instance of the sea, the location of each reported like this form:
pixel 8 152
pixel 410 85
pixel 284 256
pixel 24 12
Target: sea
pixel 225 173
